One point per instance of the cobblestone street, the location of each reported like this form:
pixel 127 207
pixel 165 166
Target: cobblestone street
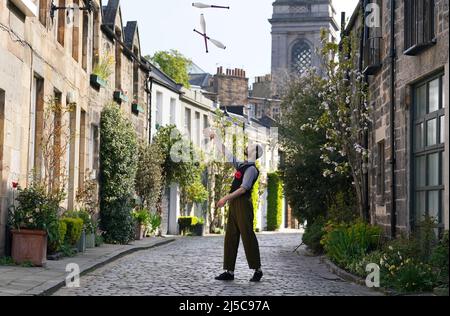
pixel 187 267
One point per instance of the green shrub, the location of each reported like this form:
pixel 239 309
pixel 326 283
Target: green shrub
pixel 439 261
pixel 74 230
pixel 358 267
pixel 56 244
pixel 118 162
pixel 255 203
pixel 142 216
pixel 403 272
pixel 274 201
pixel 154 223
pixel 89 224
pixel 187 224
pixel 347 244
pixel 313 235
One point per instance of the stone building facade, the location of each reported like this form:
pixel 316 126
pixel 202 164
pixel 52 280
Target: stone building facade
pixel 407 71
pixel 44 58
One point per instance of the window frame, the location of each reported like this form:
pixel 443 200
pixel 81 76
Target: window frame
pixel 412 44
pixel 426 151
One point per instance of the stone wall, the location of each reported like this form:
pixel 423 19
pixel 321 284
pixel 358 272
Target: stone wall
pixel 409 70
pixel 30 49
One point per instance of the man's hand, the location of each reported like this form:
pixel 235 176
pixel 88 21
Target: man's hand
pixel 222 203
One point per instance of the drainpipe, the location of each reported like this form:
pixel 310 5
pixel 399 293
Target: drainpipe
pixel 364 36
pixel 392 56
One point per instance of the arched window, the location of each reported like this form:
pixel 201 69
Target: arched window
pixel 301 57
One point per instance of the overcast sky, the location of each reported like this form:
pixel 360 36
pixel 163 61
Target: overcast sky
pixel 169 24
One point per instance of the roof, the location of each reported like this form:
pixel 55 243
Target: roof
pixel 266 121
pixel 199 80
pixel 129 32
pixel 193 68
pixel 110 12
pixel 161 78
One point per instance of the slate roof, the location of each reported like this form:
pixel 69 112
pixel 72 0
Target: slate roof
pixel 128 32
pixel 199 80
pixel 110 13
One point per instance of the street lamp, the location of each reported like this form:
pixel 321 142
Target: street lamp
pixel 206 6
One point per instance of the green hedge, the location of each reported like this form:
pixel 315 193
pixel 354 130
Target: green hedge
pixel 74 229
pixel 187 223
pixel 255 202
pixel 274 202
pixel 118 167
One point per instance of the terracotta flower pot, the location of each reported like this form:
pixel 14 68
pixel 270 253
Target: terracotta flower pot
pixel 29 246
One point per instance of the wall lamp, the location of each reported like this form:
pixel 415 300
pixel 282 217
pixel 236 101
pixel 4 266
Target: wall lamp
pixel 88 7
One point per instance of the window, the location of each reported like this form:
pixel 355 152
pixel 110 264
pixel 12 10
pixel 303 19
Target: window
pixel 96 38
pixel 197 129
pixel 82 151
pixel 118 61
pixel 373 38
pixel 85 41
pixel 36 126
pixel 173 111
pixel 61 22
pixel 187 122
pixel 94 147
pixel 381 172
pixel 43 9
pixel 76 32
pixel 419 25
pixel 58 145
pixel 159 109
pixel 136 75
pixel 301 57
pixel 428 129
pixel 2 124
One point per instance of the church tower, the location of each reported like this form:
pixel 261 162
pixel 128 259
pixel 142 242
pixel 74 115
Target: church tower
pixel 296 27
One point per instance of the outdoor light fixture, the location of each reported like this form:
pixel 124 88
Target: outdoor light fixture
pixel 206 6
pixel 207 38
pixel 89 7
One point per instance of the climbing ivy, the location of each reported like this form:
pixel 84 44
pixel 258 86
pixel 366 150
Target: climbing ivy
pixel 118 161
pixel 274 201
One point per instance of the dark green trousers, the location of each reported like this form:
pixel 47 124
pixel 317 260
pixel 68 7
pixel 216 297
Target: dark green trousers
pixel 240 224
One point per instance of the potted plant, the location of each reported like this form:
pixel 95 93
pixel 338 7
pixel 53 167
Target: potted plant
pixel 153 225
pixel 198 228
pixel 32 217
pixel 141 218
pixel 89 226
pixel 101 72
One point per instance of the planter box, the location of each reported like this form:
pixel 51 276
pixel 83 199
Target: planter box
pixel 90 241
pixel 136 109
pixel 140 229
pixel 197 230
pixel 29 246
pixel 81 245
pixel 120 97
pixel 97 82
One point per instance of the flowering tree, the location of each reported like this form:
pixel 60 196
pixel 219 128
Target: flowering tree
pixel 345 116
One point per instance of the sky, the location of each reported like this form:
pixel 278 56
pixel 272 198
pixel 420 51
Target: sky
pixel 244 29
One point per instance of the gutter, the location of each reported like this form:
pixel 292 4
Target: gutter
pixel 392 56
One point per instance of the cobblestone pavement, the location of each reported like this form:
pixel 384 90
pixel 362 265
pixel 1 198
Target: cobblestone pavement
pixel 187 267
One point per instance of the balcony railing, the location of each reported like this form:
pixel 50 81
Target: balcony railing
pixel 372 55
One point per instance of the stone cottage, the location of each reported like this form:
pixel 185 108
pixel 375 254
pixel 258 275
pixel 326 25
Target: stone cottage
pixel 405 59
pixel 48 54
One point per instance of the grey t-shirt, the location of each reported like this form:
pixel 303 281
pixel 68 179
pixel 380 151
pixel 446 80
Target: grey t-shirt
pixel 250 175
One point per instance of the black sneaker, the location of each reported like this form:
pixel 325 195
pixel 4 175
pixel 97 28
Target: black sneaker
pixel 257 276
pixel 226 276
